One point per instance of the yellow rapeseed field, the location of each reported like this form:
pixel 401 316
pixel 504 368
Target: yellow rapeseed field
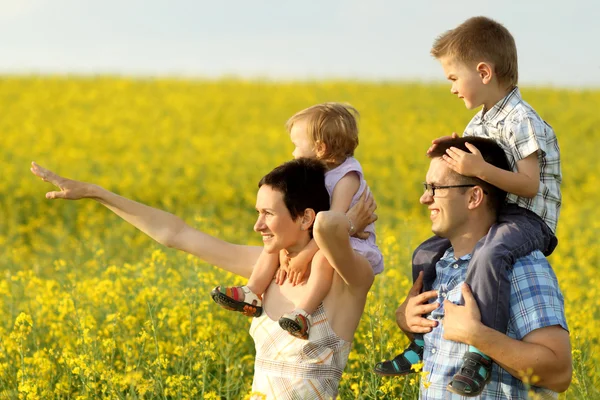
pixel 92 308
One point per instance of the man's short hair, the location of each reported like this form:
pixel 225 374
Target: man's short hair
pixel 481 39
pixel 302 183
pixel 491 152
pixel 334 124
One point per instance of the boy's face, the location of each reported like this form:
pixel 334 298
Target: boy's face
pixel 303 146
pixel 466 81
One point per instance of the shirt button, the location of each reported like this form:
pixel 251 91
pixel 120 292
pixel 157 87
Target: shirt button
pixel 444 295
pixel 455 266
pixel 432 351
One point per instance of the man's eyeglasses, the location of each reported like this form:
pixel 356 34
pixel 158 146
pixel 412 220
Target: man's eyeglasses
pixel 429 188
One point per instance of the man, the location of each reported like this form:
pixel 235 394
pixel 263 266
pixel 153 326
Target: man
pixel 462 210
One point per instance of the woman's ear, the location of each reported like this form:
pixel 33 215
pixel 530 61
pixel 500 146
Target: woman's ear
pixel 485 71
pixel 308 218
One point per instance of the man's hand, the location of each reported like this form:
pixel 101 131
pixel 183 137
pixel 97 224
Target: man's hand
pixel 435 142
pixel 461 322
pixel 362 214
pixel 467 164
pixel 409 316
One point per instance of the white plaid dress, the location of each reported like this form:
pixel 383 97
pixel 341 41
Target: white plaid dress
pixel 520 131
pixel 290 368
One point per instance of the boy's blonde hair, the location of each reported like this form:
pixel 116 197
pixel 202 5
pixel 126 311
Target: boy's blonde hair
pixel 481 39
pixel 332 124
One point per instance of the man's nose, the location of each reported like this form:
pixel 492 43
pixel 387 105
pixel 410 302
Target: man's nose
pixel 426 198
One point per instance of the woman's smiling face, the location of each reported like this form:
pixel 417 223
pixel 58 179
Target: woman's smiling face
pixel 275 224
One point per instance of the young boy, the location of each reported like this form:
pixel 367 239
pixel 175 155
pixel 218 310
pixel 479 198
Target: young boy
pixel 479 57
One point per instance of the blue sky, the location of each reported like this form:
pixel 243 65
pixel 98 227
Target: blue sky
pixel 558 41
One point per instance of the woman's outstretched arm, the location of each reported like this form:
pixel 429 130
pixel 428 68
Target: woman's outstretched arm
pixel 162 226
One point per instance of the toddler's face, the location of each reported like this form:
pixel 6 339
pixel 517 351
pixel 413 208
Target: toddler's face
pixel 303 146
pixel 466 82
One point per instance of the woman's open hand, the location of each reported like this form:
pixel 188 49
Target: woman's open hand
pixel 69 189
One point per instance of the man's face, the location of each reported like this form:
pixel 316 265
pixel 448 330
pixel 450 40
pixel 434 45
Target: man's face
pixel 274 221
pixel 303 146
pixel 448 209
pixel 466 82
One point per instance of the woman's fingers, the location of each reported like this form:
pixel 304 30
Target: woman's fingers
pixel 45 174
pixel 56 195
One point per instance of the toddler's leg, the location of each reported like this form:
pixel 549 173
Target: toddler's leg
pixel 297 323
pixel 248 299
pixel 263 272
pixel 426 256
pixel 518 233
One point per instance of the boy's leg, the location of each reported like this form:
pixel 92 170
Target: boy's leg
pixel 424 259
pixel 426 256
pixel 546 241
pixel 403 363
pixel 248 299
pixel 517 233
pixel 297 323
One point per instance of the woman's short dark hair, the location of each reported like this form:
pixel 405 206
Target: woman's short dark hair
pixel 302 183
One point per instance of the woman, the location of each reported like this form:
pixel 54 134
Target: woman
pixel 291 202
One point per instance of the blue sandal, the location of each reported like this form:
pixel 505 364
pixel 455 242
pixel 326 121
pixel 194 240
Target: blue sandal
pixel 474 374
pixel 402 363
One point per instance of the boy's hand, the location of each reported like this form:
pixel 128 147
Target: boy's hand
pixel 297 268
pixel 467 164
pixel 435 142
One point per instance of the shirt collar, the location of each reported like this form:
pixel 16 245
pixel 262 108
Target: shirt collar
pixel 502 108
pixel 449 256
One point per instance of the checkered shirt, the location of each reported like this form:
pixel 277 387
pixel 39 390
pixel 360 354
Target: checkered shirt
pixel 520 131
pixel 535 302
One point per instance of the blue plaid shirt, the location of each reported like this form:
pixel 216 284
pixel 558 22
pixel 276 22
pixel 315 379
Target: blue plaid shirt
pixel 535 302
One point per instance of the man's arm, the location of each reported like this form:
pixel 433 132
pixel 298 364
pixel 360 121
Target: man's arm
pixel 547 350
